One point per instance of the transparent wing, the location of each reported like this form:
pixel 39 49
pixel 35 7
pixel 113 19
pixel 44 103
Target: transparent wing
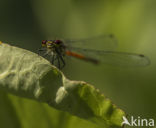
pixel 114 58
pixel 102 42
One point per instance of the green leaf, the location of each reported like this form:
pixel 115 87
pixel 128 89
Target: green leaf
pixel 28 75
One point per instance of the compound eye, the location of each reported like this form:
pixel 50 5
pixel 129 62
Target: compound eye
pixel 58 41
pixel 44 42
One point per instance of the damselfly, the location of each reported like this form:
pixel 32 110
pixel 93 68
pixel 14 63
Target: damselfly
pixel 57 50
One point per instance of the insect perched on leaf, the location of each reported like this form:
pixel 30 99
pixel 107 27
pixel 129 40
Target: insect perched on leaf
pixel 95 50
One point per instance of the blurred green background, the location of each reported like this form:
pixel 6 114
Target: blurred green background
pixel 26 23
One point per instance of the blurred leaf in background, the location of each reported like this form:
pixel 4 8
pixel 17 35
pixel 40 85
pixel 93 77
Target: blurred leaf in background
pixel 133 22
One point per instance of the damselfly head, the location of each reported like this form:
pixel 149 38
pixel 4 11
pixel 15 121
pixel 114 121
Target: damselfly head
pixel 58 42
pixel 44 43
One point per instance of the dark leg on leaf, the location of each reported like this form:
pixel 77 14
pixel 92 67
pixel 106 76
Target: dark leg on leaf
pixel 53 59
pixel 63 62
pixel 59 56
pixel 58 62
